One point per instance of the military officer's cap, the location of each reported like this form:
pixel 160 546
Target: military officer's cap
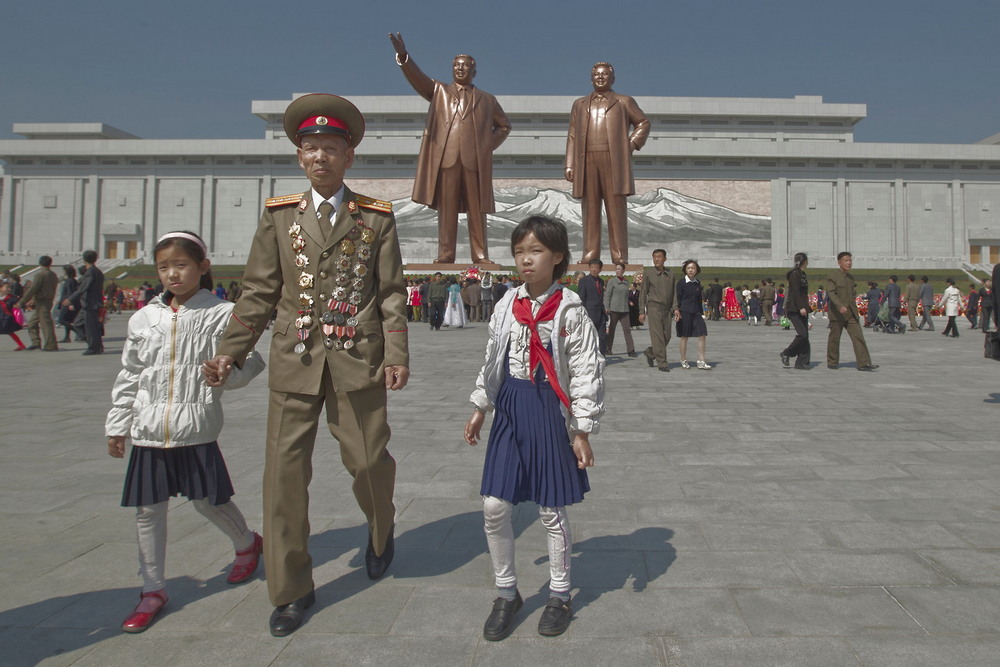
pixel 320 113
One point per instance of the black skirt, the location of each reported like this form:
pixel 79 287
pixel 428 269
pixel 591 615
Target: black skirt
pixel 156 474
pixel 691 325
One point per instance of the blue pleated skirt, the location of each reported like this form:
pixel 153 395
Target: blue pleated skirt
pixel 529 456
pixel 156 474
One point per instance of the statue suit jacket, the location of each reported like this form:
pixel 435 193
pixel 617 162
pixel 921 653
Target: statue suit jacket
pixel 271 280
pixel 622 112
pixel 841 291
pixel 486 127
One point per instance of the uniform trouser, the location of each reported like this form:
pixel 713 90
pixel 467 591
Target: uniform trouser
pixel 660 322
pixel 151 531
pixel 597 187
pixel 457 185
pixel 768 307
pixel 926 319
pixel 487 309
pixel 799 347
pixel 838 323
pixel 984 319
pixel 626 329
pixel 911 312
pixel 499 529
pixel 357 419
pixel 88 324
pixel 41 328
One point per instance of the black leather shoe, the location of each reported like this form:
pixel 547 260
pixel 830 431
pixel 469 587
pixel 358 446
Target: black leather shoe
pixel 377 565
pixel 285 619
pixel 784 358
pixel 803 367
pixel 869 367
pixel 833 367
pixel 633 353
pixel 500 622
pixel 555 617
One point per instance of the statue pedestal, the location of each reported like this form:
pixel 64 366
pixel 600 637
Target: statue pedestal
pixel 608 268
pixel 456 268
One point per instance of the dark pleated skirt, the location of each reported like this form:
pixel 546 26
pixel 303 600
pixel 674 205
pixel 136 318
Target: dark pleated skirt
pixel 156 474
pixel 691 325
pixel 529 456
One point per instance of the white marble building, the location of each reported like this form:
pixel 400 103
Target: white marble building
pixel 733 181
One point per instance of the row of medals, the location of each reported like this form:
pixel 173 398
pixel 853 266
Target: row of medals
pixel 339 322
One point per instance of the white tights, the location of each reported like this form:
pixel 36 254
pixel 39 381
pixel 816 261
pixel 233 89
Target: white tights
pixel 500 537
pixel 151 530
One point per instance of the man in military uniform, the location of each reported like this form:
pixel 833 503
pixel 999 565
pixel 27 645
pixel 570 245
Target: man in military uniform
pixel 657 304
pixel 767 294
pixel 841 291
pixel 329 261
pixel 41 294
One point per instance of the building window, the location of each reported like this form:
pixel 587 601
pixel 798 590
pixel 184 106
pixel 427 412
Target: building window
pixel 50 201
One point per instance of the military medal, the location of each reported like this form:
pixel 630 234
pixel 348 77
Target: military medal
pixel 300 348
pixel 340 322
pixel 306 282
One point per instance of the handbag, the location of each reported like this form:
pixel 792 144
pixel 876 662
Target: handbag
pixel 991 347
pixel 18 315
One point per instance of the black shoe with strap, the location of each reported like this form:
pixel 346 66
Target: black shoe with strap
pixel 500 622
pixel 555 617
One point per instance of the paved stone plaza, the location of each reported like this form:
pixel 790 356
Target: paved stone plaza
pixel 750 515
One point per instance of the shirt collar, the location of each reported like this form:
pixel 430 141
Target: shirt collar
pixel 336 200
pixel 689 279
pixel 522 292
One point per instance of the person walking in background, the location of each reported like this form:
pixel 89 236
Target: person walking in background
pixel 90 294
pixel 891 296
pixel 633 305
pixel 986 304
pixel 616 293
pixel 872 298
pixel 437 297
pixel 41 295
pixel 841 290
pixel 767 294
pixel 797 311
pixel 591 291
pixel 656 304
pixel 714 298
pixel 912 295
pixel 927 303
pixel 8 320
pixel 486 294
pixel 972 307
pixel 951 303
pixel 731 302
pixel 689 313
pixel 68 313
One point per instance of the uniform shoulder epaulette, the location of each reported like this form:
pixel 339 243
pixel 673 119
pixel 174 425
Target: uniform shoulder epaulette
pixel 283 200
pixel 377 204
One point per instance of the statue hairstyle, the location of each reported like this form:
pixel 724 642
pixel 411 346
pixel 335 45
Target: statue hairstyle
pixel 550 233
pixel 467 57
pixel 190 248
pixel 604 64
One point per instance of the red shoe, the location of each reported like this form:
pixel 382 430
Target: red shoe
pixel 246 562
pixel 149 606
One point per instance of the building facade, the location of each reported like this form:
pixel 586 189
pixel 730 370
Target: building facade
pixel 733 181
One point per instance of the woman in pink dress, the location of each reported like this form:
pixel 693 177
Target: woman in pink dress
pixel 731 303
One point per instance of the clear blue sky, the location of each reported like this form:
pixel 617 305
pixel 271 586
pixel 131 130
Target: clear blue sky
pixel 189 68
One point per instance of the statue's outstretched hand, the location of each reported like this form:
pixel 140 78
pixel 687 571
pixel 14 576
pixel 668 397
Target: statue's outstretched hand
pixel 397 43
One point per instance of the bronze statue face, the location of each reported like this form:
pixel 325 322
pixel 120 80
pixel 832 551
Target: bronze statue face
pixel 463 69
pixel 603 77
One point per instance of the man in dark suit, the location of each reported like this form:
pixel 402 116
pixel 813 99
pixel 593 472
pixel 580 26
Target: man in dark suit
pixel 912 295
pixel 891 296
pixel 328 260
pixel 455 165
pixel 841 292
pixel 91 296
pixel 927 301
pixel 714 298
pixel 599 160
pixel 591 292
pixel 985 305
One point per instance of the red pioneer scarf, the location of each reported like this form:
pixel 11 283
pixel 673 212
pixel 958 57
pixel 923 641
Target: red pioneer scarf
pixel 537 353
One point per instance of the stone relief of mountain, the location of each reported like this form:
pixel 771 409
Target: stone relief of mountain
pixel 656 218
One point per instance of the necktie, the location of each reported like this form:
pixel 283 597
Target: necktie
pixel 325 209
pixel 461 102
pixel 537 354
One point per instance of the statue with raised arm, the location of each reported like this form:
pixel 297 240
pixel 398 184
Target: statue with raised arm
pixel 455 167
pixel 599 161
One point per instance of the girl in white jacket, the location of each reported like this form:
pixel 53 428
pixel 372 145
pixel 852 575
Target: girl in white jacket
pixel 162 402
pixel 951 302
pixel 544 381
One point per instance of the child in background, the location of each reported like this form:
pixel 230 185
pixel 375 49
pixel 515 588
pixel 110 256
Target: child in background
pixel 544 380
pixel 162 402
pixel 8 322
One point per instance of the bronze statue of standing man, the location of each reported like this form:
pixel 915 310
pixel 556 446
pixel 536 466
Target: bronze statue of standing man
pixel 599 161
pixel 455 167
